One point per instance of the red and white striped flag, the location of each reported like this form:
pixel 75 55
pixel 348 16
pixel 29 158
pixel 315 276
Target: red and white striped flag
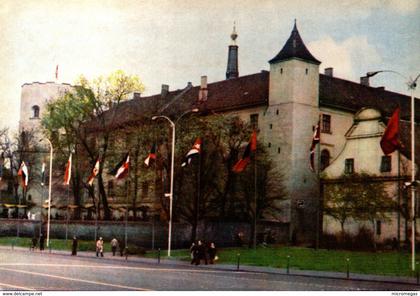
pixel 121 170
pixel 195 150
pixel 152 155
pixel 23 172
pixel 246 157
pixel 94 173
pixel 67 173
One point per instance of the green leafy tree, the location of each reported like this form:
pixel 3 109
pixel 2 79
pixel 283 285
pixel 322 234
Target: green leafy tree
pixel 83 119
pixel 362 197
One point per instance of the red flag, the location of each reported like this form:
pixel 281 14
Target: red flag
pixel 246 157
pixel 23 172
pixel 196 149
pixel 67 173
pixel 95 172
pixel 253 141
pixel 391 138
pixel 315 141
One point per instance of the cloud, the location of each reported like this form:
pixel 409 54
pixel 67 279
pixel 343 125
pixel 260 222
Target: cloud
pixel 349 58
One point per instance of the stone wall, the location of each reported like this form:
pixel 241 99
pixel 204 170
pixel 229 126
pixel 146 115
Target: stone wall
pixel 145 234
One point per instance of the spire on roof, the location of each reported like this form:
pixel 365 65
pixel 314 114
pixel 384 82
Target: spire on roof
pixel 234 35
pixel 294 48
pixel 232 64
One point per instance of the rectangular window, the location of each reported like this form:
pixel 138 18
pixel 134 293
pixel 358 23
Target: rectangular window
pixel 386 163
pixel 378 227
pixel 326 123
pixel 254 121
pixel 349 166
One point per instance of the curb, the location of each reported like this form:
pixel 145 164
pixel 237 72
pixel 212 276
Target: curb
pixel 412 281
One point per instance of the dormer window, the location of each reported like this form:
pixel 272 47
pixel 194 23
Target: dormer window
pixel 35 111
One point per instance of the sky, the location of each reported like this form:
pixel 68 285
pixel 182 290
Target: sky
pixel 176 42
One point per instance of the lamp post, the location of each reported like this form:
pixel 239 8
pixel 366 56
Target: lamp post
pixel 411 83
pixel 49 192
pixel 171 192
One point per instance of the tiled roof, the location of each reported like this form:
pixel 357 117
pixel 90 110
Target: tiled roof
pixel 236 93
pixel 351 96
pixel 294 48
pixel 252 91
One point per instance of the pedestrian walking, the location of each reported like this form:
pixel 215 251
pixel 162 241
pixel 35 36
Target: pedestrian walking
pixel 212 253
pixel 34 243
pixel 74 246
pixel 114 246
pixel 122 248
pixel 100 247
pixel 193 253
pixel 41 242
pixel 201 253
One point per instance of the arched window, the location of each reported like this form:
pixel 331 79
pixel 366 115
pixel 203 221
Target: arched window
pixel 325 159
pixel 35 111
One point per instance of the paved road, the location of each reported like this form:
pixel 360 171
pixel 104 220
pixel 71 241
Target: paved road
pixel 24 270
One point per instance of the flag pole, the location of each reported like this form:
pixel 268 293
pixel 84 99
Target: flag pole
pixel 318 208
pixel 399 190
pixel 67 211
pixel 255 199
pixel 197 205
pixel 96 213
pixel 126 214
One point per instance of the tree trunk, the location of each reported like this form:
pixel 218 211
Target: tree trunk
pixel 193 231
pixel 102 193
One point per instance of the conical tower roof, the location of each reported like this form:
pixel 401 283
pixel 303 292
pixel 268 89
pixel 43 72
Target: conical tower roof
pixel 294 48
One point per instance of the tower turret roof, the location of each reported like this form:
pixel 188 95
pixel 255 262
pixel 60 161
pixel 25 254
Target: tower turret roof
pixel 294 48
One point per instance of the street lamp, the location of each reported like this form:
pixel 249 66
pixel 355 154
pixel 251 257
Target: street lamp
pixel 171 192
pixel 411 83
pixel 49 191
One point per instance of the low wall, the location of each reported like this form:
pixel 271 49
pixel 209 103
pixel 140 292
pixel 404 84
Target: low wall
pixel 145 234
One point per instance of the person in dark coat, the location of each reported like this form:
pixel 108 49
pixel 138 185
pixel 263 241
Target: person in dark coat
pixel 74 246
pixel 194 253
pixel 34 243
pixel 122 247
pixel 41 242
pixel 212 253
pixel 201 254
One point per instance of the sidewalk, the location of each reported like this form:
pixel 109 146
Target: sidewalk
pixel 231 267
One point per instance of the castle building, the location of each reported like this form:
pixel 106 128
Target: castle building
pixel 285 104
pixel 34 98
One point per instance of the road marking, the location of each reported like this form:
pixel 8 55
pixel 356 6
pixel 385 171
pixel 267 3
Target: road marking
pixel 16 287
pixel 214 272
pixel 74 279
pixel 128 267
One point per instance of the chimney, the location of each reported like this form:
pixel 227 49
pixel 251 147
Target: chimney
pixel 364 80
pixel 136 95
pixel 202 94
pixel 165 90
pixel 329 72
